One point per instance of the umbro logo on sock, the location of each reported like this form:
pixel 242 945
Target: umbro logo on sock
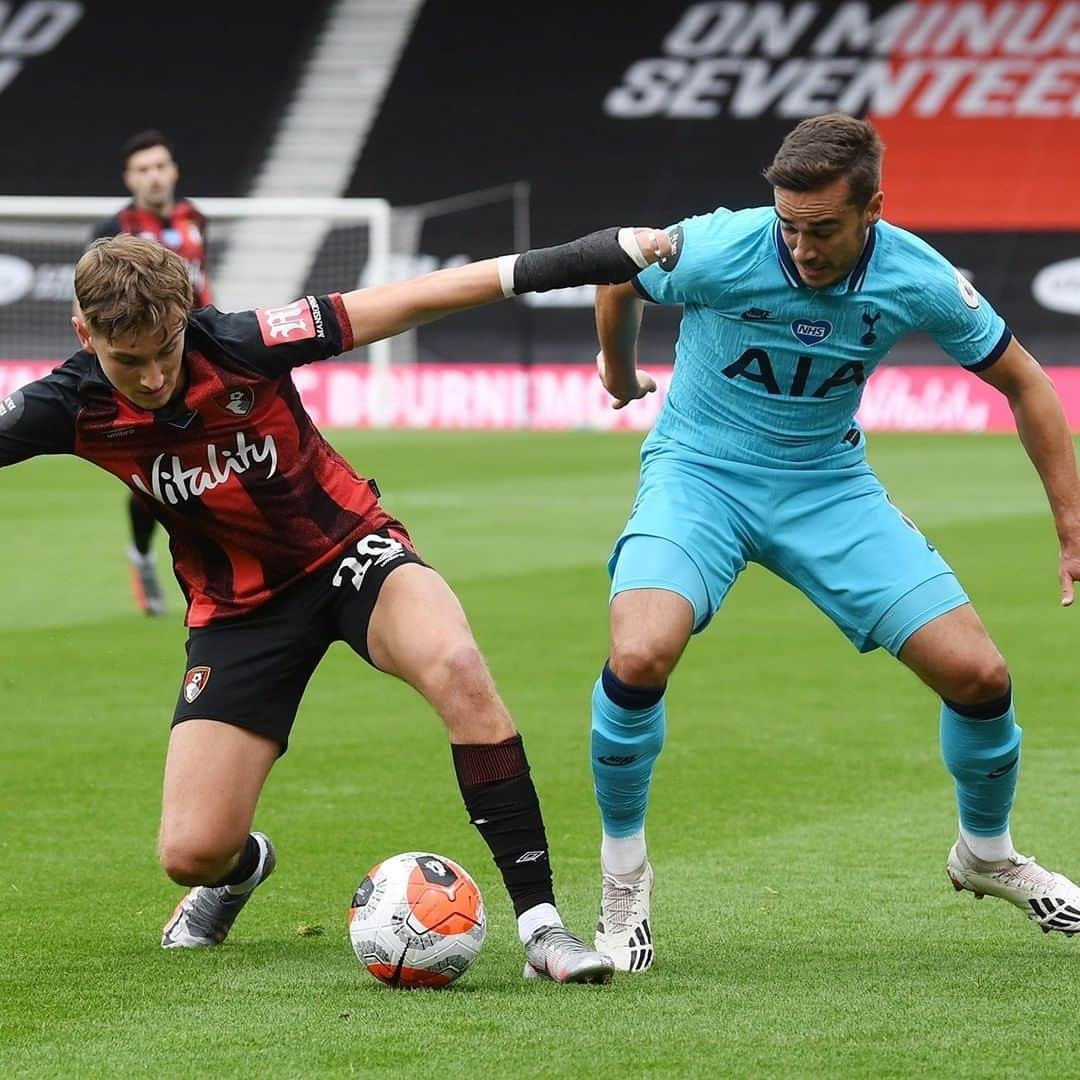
pixel 617 759
pixel 530 856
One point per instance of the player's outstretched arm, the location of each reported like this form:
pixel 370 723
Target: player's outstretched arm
pixel 611 255
pixel 1044 431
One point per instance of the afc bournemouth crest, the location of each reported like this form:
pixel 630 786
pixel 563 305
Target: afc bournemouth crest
pixel 195 682
pixel 238 401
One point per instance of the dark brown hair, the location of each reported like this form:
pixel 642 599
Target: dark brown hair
pixel 126 284
pixel 822 149
pixel 143 140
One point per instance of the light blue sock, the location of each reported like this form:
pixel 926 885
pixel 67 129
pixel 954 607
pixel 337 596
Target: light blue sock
pixel 627 736
pixel 980 745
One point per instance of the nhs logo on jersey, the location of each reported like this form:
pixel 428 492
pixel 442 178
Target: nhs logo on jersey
pixel 811 332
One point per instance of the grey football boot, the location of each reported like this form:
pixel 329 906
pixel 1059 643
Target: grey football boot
pixel 205 916
pixel 145 584
pixel 554 953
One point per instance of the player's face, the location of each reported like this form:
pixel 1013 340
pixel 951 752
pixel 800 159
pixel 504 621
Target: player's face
pixel 147 367
pixel 150 176
pixel 824 231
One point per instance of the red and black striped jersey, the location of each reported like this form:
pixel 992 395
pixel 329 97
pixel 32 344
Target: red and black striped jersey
pixel 251 494
pixel 183 231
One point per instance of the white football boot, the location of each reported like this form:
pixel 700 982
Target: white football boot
pixel 206 914
pixel 1049 899
pixel 623 930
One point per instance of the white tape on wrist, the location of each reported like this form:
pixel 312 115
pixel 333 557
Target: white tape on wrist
pixel 506 273
pixel 628 242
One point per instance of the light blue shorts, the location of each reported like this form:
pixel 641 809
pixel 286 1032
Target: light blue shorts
pixel 829 531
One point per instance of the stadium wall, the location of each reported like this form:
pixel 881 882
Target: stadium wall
pixel 552 397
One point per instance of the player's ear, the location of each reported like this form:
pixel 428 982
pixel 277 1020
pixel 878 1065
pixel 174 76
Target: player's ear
pixel 82 332
pixel 873 207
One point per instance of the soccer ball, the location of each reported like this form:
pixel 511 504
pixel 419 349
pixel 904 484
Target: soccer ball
pixel 417 919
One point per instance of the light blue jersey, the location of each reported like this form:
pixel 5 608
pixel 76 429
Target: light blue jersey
pixel 756 458
pixel 768 367
pixel 756 455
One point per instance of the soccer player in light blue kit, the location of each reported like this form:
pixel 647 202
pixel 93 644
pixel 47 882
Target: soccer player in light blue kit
pixel 757 457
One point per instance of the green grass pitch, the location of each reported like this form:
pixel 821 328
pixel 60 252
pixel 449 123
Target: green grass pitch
pixel 799 826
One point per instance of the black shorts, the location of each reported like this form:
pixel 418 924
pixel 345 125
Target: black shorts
pixel 252 670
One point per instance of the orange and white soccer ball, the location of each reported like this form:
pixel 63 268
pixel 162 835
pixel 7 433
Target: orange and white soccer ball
pixel 417 919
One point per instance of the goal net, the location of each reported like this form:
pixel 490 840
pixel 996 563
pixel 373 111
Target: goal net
pixel 260 253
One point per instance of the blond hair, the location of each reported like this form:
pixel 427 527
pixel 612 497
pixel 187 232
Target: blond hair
pixel 127 284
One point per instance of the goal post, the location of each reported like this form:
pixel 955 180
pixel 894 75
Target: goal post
pixel 261 252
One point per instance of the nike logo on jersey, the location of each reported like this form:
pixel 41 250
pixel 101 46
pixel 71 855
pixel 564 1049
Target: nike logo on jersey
pixel 756 314
pixel 171 483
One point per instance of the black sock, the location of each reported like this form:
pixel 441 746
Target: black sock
pixel 142 525
pixel 245 865
pixel 501 800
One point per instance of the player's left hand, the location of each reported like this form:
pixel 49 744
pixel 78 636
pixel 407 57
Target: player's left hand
pixel 624 393
pixel 1069 572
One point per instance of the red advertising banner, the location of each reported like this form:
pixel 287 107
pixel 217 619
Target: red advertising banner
pixel 978 105
pixel 551 397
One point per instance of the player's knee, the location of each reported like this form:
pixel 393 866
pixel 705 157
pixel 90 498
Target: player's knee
pixel 639 663
pixel 195 862
pixel 463 692
pixel 982 678
pixel 462 671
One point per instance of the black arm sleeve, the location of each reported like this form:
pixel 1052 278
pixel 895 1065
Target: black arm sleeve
pixel 596 259
pixel 37 419
pixel 273 341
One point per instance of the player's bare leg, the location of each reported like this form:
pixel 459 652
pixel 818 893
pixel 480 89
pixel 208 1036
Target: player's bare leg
pixel 418 632
pixel 955 656
pixel 980 742
pixel 649 631
pixel 214 773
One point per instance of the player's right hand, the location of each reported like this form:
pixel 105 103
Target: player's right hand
pixel 622 392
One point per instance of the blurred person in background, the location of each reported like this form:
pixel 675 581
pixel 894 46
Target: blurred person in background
pixel 150 174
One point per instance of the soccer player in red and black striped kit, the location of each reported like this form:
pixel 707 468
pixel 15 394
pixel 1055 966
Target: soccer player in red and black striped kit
pixel 281 549
pixel 151 175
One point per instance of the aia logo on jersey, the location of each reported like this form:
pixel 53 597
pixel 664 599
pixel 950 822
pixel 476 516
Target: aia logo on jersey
pixel 294 322
pixel 239 401
pixel 195 683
